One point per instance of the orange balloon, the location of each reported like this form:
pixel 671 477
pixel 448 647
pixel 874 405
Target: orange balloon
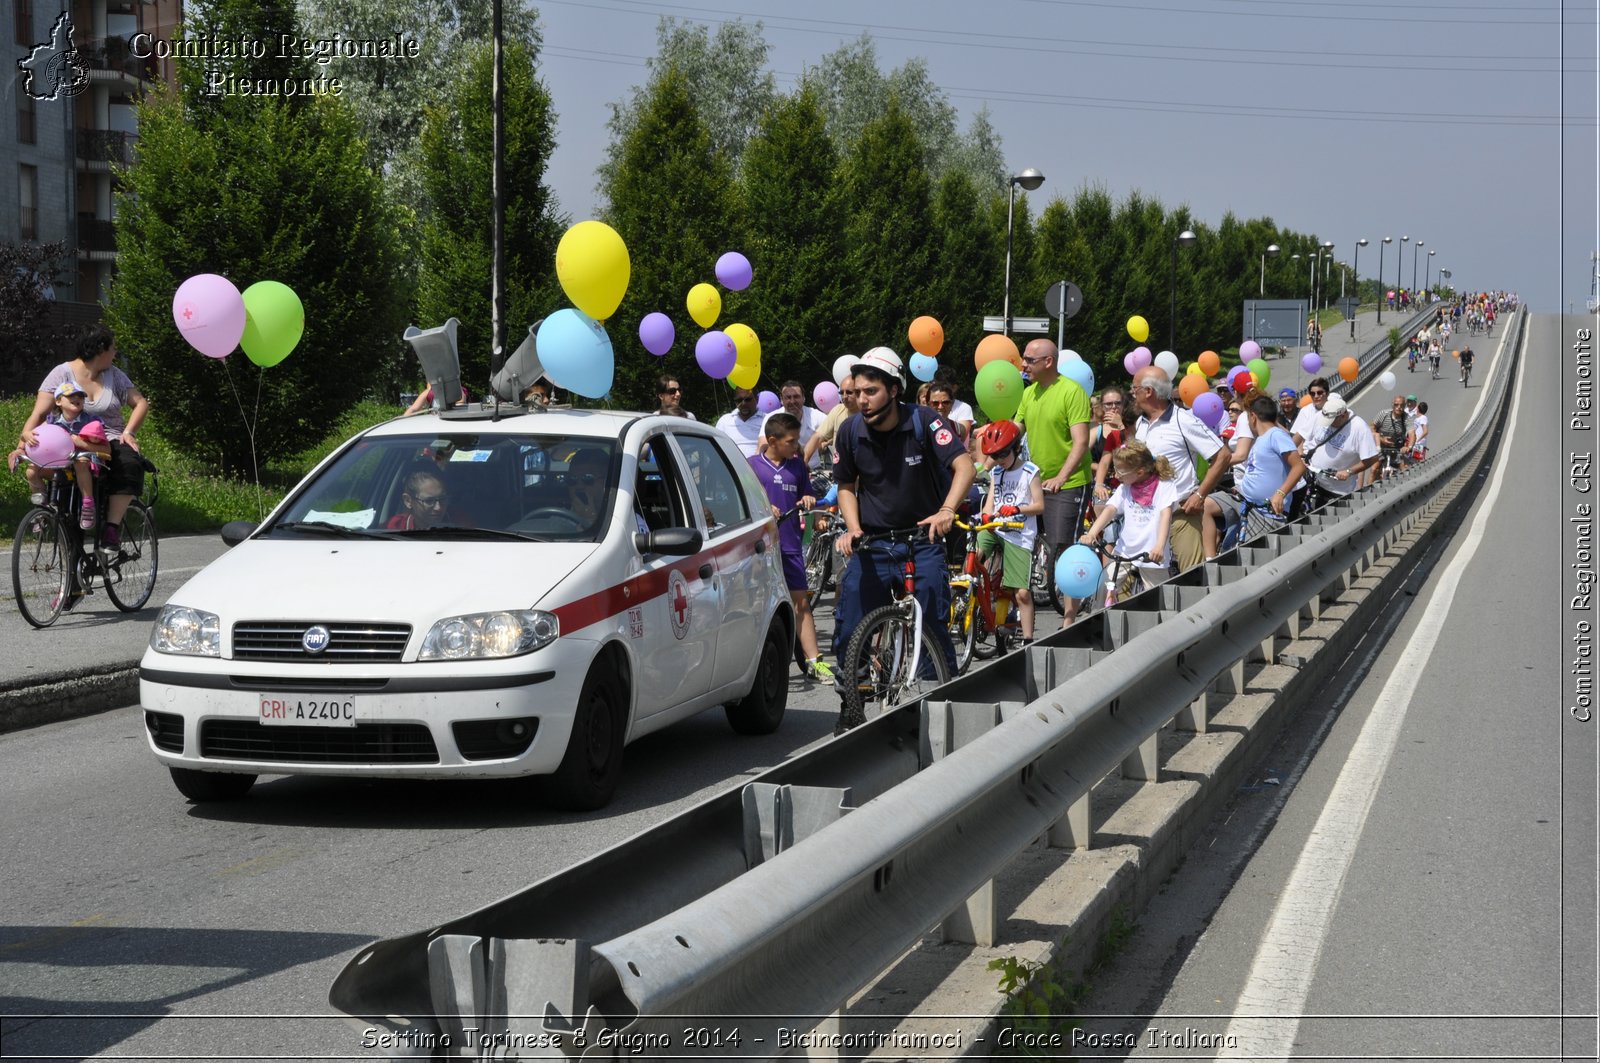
pixel 926 335
pixel 1191 387
pixel 1455 354
pixel 1349 369
pixel 1209 363
pixel 996 346
pixel 1305 400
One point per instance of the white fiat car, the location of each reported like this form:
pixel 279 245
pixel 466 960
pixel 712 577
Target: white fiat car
pixel 478 593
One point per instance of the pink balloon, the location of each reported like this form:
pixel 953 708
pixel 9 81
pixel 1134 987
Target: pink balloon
pixel 1249 349
pixel 53 446
pixel 716 354
pixel 210 314
pixel 825 395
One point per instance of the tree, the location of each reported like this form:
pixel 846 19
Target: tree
pixel 795 235
pixel 457 235
pixel 32 339
pixel 968 273
pixel 889 220
pixel 732 88
pixel 255 188
pixel 671 199
pixel 389 96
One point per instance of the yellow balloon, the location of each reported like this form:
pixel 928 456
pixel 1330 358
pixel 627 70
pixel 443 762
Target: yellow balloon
pixel 1138 328
pixel 1195 370
pixel 592 265
pixel 745 342
pixel 704 304
pixel 745 374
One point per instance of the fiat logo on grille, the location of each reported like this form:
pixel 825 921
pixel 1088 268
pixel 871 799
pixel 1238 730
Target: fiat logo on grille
pixel 316 638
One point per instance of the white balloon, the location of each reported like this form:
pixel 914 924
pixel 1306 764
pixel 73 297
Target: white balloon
pixel 1167 362
pixel 841 367
pixel 1066 358
pixel 1387 381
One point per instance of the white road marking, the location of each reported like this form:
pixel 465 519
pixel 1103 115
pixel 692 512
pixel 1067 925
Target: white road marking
pixel 1274 997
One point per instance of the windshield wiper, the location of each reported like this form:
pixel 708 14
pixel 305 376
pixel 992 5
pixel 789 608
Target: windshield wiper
pixel 322 527
pixel 456 531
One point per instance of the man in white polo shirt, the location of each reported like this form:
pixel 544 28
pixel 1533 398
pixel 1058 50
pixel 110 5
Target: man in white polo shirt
pixel 743 423
pixel 1179 436
pixel 1341 447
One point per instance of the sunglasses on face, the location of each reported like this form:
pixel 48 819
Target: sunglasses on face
pixel 742 399
pixel 670 391
pixel 1316 394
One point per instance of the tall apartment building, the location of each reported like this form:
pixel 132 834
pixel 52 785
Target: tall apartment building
pixel 56 154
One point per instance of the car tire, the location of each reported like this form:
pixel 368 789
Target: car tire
pixel 203 787
pixel 587 776
pixel 761 711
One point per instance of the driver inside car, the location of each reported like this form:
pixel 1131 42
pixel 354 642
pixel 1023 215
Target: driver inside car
pixel 586 485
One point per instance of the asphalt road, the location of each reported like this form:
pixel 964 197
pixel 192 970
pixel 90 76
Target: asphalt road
pixel 1447 907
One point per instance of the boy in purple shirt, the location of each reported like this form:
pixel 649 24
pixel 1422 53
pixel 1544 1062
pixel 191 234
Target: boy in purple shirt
pixel 788 485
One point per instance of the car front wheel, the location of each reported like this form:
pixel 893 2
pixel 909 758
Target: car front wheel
pixel 588 774
pixel 202 787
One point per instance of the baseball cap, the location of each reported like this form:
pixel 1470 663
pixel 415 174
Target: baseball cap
pixel 68 387
pixel 1331 409
pixel 883 360
pixel 1288 393
pixel 1411 398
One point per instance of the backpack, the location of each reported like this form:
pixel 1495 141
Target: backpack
pixel 857 428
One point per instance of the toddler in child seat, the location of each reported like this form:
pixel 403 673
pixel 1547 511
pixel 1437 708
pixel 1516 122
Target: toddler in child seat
pixel 88 438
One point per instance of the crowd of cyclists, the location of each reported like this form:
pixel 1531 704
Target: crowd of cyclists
pixel 1131 472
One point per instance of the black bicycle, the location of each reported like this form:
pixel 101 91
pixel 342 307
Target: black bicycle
pixel 54 563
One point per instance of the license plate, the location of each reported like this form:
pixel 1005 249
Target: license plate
pixel 277 710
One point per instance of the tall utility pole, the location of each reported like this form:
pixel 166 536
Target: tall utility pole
pixel 497 284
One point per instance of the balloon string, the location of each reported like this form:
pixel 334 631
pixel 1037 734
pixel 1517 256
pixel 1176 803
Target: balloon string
pixel 250 431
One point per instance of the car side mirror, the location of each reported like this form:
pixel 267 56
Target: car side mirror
pixel 237 531
pixel 680 542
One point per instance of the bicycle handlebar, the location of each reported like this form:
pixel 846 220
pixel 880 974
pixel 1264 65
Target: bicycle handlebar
pixel 991 524
pixel 867 540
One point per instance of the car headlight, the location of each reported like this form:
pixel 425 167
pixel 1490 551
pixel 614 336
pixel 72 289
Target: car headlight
pixel 190 632
pixel 482 635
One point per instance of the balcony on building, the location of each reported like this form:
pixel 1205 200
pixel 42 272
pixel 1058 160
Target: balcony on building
pixel 98 149
pixel 112 59
pixel 97 238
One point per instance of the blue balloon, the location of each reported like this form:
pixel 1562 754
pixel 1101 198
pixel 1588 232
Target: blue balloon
pixel 1078 572
pixel 1078 371
pixel 923 367
pixel 576 353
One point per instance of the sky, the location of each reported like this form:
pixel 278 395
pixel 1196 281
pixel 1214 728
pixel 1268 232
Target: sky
pixel 1468 126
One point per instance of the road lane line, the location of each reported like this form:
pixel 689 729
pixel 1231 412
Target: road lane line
pixel 1274 996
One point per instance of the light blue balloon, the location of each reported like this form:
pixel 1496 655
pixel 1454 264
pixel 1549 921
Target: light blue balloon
pixel 576 353
pixel 1078 572
pixel 923 367
pixel 1077 370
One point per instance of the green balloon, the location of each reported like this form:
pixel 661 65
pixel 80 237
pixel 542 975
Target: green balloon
pixel 1259 369
pixel 999 390
pixel 273 324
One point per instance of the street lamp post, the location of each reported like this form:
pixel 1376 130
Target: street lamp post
pixel 1272 250
pixel 1185 237
pixel 1427 278
pixel 1400 273
pixel 1327 262
pixel 1355 268
pixel 1387 240
pixel 1029 179
pixel 1414 252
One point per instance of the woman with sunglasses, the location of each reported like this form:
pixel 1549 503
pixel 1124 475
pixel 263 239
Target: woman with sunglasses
pixel 670 393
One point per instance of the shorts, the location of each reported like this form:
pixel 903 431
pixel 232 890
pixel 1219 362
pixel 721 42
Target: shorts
pixel 794 572
pixel 1062 522
pixel 1188 549
pixel 1018 562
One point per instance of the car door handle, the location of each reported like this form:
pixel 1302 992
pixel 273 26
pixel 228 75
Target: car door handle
pixel 707 571
pixel 761 546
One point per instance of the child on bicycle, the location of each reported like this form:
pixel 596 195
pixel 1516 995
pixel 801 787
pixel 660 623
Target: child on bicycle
pixel 1016 490
pixel 88 439
pixel 787 480
pixel 1145 499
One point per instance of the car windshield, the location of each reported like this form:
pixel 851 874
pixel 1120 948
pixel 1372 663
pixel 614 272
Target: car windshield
pixel 544 488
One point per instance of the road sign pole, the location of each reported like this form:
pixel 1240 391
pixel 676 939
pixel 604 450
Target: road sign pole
pixel 1061 327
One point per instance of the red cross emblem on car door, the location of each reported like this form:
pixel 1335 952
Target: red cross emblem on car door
pixel 678 603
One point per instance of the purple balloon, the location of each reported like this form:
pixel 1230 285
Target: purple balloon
pixel 716 354
pixel 1208 407
pixel 825 395
pixel 734 271
pixel 1249 349
pixel 768 402
pixel 1311 363
pixel 210 313
pixel 656 333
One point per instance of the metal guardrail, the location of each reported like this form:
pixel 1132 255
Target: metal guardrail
pixel 774 902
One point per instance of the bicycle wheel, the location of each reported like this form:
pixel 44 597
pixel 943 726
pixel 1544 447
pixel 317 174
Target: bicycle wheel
pixel 130 573
pixel 41 566
pixel 1042 577
pixel 965 620
pixel 819 563
pixel 878 665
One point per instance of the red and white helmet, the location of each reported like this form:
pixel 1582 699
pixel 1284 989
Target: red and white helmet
pixel 998 436
pixel 883 360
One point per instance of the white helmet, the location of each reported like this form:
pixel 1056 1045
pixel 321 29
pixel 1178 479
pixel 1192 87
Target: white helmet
pixel 883 360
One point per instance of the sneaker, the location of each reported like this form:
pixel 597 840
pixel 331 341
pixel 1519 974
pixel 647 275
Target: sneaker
pixel 817 668
pixel 86 515
pixel 110 537
pixel 37 498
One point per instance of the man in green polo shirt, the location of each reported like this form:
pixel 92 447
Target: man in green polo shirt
pixel 1055 414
